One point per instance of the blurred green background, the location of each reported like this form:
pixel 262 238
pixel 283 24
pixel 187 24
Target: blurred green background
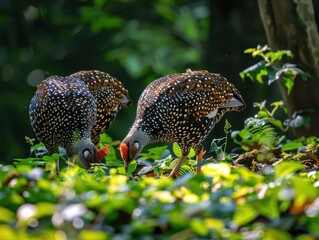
pixel 135 41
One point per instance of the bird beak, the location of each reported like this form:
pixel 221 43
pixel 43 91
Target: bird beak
pixel 124 151
pixel 102 153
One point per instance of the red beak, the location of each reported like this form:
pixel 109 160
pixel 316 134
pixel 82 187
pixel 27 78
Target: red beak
pixel 124 151
pixel 101 153
pixel 124 154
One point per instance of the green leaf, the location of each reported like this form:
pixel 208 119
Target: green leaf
pixel 287 168
pixel 263 73
pixel 178 151
pixel 244 215
pixel 255 72
pixel 249 50
pixel 191 153
pixel 44 209
pixel 277 123
pixel 154 153
pixel 278 55
pixel 90 234
pixel 198 227
pixel 278 104
pixel 288 73
pixel 8 232
pixel 104 138
pixel 288 83
pixel 52 158
pixel 158 151
pixel 273 233
pixel 131 168
pixel 263 114
pixel 292 145
pixel 304 190
pixel 268 206
pixel 257 53
pixel 6 215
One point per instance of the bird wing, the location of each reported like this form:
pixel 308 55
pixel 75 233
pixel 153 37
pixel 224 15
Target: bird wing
pixel 68 92
pixel 201 91
pixel 108 91
pixel 96 79
pixel 61 107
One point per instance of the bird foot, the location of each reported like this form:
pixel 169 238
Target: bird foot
pixel 199 159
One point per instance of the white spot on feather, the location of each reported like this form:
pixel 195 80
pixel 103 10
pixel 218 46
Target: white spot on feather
pixel 212 113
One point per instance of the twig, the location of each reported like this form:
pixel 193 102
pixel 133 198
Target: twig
pixel 311 155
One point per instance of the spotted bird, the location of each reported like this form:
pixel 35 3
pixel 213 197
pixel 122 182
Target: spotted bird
pixel 72 111
pixel 62 113
pixel 180 108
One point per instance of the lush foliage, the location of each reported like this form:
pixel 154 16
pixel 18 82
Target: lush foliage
pixel 265 193
pixel 270 67
pixel 223 202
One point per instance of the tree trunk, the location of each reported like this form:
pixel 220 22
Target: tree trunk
pixel 290 25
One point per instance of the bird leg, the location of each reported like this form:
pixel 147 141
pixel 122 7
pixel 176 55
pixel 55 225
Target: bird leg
pixel 199 159
pixel 175 172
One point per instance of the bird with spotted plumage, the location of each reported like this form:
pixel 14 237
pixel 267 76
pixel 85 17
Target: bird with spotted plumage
pixel 72 111
pixel 181 108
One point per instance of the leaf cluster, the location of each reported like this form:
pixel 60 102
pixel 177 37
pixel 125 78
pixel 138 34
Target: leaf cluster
pixel 223 203
pixel 273 67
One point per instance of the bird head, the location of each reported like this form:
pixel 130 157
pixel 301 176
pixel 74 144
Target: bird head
pixel 86 152
pixel 132 145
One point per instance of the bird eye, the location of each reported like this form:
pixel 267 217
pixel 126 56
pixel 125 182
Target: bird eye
pixel 86 153
pixel 134 150
pixel 136 145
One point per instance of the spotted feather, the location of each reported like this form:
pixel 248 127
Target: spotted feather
pixel 62 112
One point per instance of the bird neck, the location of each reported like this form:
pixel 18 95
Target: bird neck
pixel 82 144
pixel 139 136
